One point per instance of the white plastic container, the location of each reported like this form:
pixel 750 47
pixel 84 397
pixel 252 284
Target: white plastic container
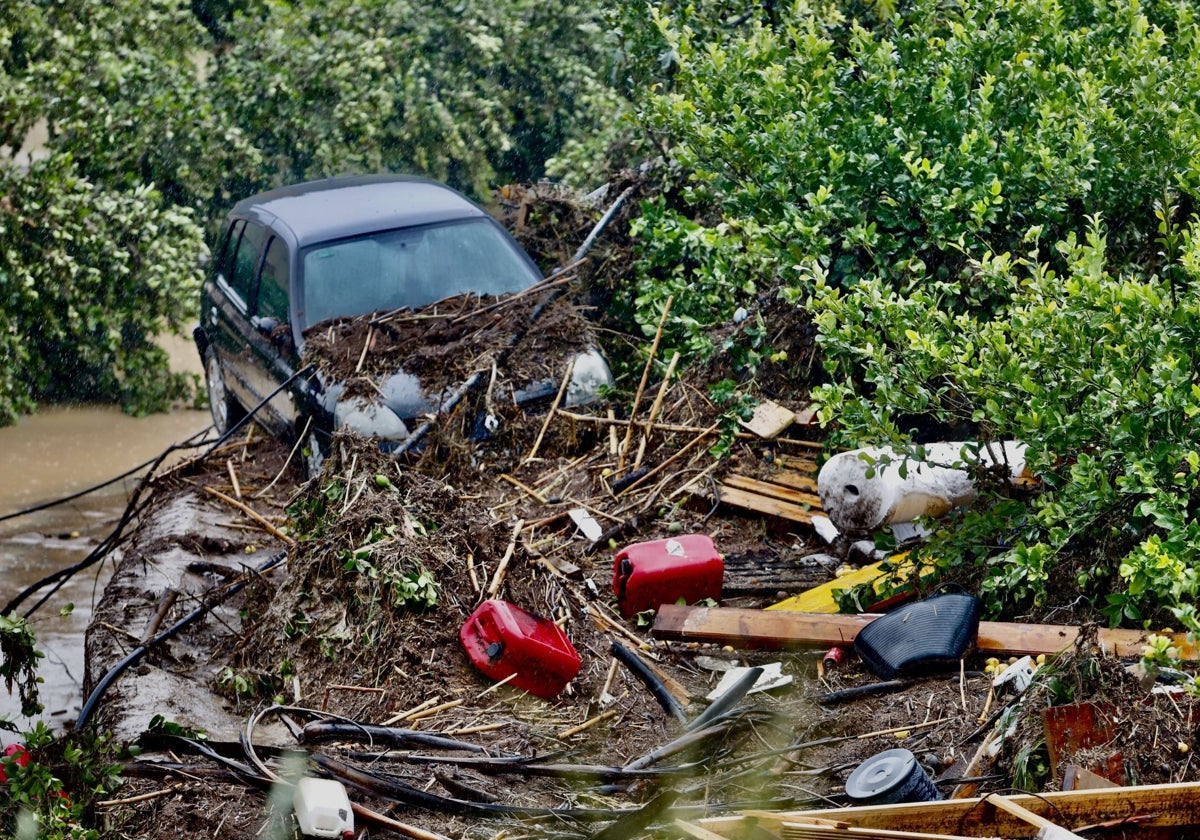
pixel 323 808
pixel 863 489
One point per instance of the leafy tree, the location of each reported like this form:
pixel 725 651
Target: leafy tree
pixel 88 278
pixel 1096 371
pixel 907 149
pixel 464 94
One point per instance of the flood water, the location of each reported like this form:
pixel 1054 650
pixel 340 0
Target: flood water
pixel 53 454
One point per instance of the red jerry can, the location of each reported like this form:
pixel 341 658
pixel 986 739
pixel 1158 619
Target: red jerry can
pixel 649 574
pixel 502 639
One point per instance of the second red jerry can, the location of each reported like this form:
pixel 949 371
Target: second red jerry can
pixel 649 574
pixel 502 639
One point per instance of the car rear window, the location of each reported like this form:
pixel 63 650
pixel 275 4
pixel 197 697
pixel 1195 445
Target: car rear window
pixel 411 267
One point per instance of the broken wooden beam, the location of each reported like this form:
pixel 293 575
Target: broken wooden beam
pixel 1169 805
pixel 781 629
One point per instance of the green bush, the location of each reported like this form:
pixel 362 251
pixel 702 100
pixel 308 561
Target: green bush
pixel 464 94
pixel 88 278
pixel 1096 371
pixel 907 149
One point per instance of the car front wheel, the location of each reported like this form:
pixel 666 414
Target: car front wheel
pixel 224 407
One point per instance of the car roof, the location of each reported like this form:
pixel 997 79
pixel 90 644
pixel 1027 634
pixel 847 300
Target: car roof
pixel 319 211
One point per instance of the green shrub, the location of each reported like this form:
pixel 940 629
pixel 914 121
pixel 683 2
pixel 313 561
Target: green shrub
pixel 908 149
pixel 88 278
pixel 1096 371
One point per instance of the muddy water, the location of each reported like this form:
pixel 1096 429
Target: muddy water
pixel 55 453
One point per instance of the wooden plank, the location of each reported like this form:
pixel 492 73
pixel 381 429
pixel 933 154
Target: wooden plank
pixel 1167 805
pixel 794 478
pixel 765 504
pixel 800 463
pixel 1079 778
pixel 783 629
pixel 775 491
pixel 769 419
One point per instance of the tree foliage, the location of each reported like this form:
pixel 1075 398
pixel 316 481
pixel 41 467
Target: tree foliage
pixel 160 116
pixel 906 149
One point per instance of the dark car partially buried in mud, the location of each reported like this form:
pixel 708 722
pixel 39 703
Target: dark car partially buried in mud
pixel 326 253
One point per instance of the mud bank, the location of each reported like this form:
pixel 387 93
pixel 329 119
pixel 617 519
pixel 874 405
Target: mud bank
pixel 185 550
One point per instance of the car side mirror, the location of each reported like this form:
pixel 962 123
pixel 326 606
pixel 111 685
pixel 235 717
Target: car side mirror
pixel 265 325
pixel 269 327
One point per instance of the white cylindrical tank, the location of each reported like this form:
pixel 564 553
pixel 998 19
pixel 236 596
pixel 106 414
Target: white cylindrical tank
pixel 863 489
pixel 323 808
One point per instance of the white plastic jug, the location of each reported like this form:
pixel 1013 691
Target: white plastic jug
pixel 323 808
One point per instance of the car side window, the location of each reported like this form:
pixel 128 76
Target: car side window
pixel 273 285
pixel 232 235
pixel 245 263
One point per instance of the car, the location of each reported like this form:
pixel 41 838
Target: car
pixel 341 248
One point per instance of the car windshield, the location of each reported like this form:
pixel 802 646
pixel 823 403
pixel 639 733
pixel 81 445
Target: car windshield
pixel 410 267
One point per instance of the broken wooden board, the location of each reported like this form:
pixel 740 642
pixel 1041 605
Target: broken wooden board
pixel 823 598
pixel 784 629
pixel 769 419
pixel 788 492
pixel 1077 729
pixel 1165 805
pixel 1077 778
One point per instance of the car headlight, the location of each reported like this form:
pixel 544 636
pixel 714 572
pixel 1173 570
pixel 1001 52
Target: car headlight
pixel 589 375
pixel 369 418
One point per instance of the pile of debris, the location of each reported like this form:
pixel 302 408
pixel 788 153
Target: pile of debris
pixel 374 658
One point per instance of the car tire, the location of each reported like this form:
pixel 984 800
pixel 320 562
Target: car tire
pixel 225 409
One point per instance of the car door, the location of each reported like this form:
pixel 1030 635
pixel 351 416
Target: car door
pixel 227 322
pixel 273 351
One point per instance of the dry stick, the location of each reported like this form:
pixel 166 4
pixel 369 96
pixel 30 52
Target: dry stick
pixel 521 486
pixel 696 440
pixel 587 724
pixel 471 730
pixel 143 797
pixel 164 606
pixel 608 680
pixel 554 280
pixel 495 686
pixel 655 408
pixel 399 716
pixel 707 471
pixel 249 438
pixel 502 569
pixel 288 462
pixel 603 622
pixel 637 397
pixel 433 710
pixel 362 357
pixel 395 825
pixel 677 427
pixel 267 526
pixel 237 488
pixel 562 389
pixel 471 570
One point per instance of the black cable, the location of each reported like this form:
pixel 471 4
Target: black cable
pixel 638 668
pixel 137 653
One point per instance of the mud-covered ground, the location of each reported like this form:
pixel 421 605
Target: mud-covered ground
pixel 387 557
